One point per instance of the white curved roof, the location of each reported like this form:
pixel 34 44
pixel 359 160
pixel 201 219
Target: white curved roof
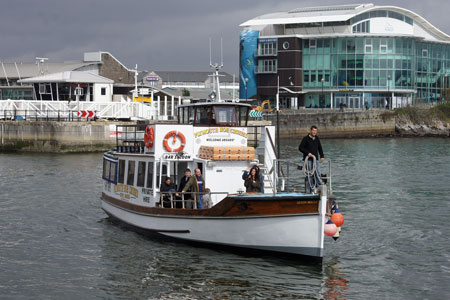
pixel 336 14
pixel 70 77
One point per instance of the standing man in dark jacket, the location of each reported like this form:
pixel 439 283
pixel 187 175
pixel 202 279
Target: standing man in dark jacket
pixel 183 181
pixel 197 183
pixel 311 146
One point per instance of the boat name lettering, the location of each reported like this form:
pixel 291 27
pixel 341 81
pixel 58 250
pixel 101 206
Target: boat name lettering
pixel 220 130
pixel 146 199
pixel 126 189
pixel 176 156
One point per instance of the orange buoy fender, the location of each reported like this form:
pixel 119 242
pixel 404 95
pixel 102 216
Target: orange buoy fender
pixel 149 136
pixel 174 134
pixel 330 228
pixel 337 218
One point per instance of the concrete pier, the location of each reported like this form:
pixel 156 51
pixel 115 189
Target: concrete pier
pixel 42 136
pixel 336 124
pixel 52 136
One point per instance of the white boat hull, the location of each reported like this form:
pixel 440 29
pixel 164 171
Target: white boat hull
pixel 298 234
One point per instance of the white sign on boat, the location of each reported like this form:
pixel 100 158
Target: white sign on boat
pixel 176 156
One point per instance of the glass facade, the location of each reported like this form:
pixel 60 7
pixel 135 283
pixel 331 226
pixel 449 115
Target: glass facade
pixel 376 64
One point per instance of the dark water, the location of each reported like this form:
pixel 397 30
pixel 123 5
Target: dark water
pixel 56 243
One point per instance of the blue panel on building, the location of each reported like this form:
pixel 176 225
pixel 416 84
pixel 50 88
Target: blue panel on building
pixel 248 46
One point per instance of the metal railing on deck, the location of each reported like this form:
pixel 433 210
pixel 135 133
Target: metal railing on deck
pixel 42 115
pixel 292 177
pixel 174 198
pixel 51 109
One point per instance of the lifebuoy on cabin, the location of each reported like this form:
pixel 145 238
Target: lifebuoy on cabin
pixel 149 136
pixel 174 134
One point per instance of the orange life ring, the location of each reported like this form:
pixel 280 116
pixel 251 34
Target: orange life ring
pixel 174 134
pixel 149 136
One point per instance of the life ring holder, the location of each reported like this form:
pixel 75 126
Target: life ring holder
pixel 174 134
pixel 149 136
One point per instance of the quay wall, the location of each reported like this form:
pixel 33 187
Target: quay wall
pixel 336 124
pixel 52 136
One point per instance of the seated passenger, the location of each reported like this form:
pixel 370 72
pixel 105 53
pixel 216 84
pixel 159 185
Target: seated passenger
pixel 245 175
pixel 167 187
pixel 206 199
pixel 253 182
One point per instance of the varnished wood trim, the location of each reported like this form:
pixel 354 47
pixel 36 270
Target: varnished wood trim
pixel 230 207
pixel 134 155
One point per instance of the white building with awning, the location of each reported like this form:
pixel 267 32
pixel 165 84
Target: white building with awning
pixel 64 86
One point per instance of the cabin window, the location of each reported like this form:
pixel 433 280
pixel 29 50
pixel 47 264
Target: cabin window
pixel 161 172
pixel 141 174
pixel 191 115
pixel 110 170
pixel 243 113
pixel 181 115
pixel 150 175
pixel 130 175
pixel 202 115
pixel 225 115
pixel 121 171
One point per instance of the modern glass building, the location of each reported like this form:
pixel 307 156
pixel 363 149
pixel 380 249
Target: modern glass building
pixel 360 55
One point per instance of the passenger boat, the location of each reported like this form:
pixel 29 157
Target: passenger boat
pixel 214 137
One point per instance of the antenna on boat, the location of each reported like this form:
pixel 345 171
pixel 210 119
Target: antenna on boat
pixel 215 94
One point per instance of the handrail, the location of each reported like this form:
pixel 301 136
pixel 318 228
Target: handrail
pixel 293 179
pixel 271 142
pixel 173 199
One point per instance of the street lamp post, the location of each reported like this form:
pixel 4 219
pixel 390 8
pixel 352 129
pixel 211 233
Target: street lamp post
pixel 389 104
pixel 322 96
pixel 246 81
pixel 445 88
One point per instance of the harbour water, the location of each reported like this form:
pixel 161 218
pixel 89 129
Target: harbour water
pixel 57 243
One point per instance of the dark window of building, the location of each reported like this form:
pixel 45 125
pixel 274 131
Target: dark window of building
pixel 103 91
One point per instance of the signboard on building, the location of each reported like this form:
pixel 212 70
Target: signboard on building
pixel 152 78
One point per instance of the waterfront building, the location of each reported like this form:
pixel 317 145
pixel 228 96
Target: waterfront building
pixel 65 86
pixel 14 86
pixel 193 85
pixel 185 79
pixel 362 55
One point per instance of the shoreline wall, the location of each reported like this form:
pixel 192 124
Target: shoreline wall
pixel 52 136
pixel 95 136
pixel 335 124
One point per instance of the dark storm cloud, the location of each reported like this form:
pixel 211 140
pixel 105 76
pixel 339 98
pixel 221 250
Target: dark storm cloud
pixel 154 34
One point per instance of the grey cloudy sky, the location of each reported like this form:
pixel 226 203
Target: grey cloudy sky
pixel 157 35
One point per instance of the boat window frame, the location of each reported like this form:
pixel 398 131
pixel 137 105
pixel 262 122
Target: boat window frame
pixel 235 113
pixel 198 114
pixel 133 172
pixel 122 167
pixel 111 170
pixel 142 175
pixel 243 111
pixel 150 171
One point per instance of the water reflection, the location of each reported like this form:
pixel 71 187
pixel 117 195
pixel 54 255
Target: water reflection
pixel 139 266
pixel 335 284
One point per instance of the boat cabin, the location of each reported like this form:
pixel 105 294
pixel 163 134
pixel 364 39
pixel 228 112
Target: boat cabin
pixel 211 136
